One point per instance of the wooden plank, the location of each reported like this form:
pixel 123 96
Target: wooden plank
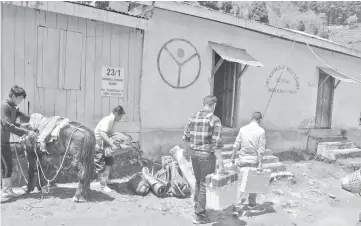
pixel 115 57
pixel 8 45
pixel 30 59
pixel 338 82
pixel 218 65
pixel 40 41
pixel 124 63
pixel 107 50
pixel 91 13
pixel 39 92
pixel 324 101
pixel 80 107
pixel 1 30
pixel 234 80
pixel 73 53
pixel 324 80
pixel 73 24
pixel 211 79
pixel 132 74
pixel 89 70
pixel 138 61
pixel 243 71
pixel 99 27
pixel 19 60
pixel 51 59
pixel 61 105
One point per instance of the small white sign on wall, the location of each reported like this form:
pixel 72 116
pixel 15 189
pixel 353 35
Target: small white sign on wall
pixel 112 81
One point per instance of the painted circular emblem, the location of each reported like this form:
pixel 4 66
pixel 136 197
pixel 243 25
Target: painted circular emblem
pixel 179 63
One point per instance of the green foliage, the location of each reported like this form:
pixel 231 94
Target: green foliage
pixel 324 35
pixel 226 6
pixel 258 11
pixel 210 4
pixel 102 4
pixel 301 26
pixel 352 20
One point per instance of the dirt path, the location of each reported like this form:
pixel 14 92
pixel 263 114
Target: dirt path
pixel 315 199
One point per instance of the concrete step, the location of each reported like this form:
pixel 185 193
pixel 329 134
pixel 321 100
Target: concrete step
pixel 314 141
pixel 265 159
pixel 275 167
pixel 342 154
pixel 326 146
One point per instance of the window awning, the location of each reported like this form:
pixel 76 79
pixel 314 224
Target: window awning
pixel 338 75
pixel 235 54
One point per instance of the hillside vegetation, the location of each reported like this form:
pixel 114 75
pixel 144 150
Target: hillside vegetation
pixel 337 21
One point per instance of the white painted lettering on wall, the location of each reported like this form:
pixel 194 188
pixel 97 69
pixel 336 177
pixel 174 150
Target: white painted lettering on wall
pixel 112 81
pixel 282 79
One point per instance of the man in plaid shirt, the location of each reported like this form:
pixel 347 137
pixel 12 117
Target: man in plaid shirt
pixel 203 137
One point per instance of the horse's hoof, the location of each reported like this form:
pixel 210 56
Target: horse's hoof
pixel 78 200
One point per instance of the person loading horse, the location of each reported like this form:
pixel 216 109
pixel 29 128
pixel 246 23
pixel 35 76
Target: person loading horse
pixel 9 114
pixel 103 163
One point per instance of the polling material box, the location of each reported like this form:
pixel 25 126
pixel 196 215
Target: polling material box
pixel 221 190
pixel 254 180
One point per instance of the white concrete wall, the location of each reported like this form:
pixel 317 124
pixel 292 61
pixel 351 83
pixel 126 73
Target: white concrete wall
pixel 165 107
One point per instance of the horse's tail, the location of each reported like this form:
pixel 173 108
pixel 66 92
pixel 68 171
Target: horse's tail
pixel 86 159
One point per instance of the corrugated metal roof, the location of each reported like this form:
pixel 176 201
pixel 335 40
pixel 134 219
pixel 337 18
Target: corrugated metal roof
pixel 109 9
pixel 256 26
pixel 338 75
pixel 235 54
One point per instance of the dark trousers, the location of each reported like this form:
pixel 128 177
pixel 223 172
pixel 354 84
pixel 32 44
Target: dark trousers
pixel 6 160
pixel 203 164
pixel 101 160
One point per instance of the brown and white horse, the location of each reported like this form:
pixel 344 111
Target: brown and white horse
pixel 75 141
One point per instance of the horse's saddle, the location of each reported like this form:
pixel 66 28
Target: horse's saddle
pixel 48 128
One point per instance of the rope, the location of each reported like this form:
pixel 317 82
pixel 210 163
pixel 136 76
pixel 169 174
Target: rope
pixel 18 161
pixel 325 62
pixel 279 78
pixel 60 167
pixel 48 181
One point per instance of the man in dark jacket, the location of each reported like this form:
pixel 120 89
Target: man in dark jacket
pixel 9 114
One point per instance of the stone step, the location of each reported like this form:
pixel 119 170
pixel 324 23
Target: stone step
pixel 326 146
pixel 265 159
pixel 342 154
pixel 314 141
pixel 275 166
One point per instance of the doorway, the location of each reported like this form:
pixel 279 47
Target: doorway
pixel 325 94
pixel 225 88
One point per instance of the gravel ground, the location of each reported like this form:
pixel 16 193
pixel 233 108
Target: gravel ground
pixel 314 198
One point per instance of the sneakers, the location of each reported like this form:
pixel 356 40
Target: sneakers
pixel 7 191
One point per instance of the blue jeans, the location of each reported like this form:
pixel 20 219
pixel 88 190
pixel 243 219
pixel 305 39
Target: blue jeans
pixel 203 164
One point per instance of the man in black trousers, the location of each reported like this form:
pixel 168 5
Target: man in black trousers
pixel 9 114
